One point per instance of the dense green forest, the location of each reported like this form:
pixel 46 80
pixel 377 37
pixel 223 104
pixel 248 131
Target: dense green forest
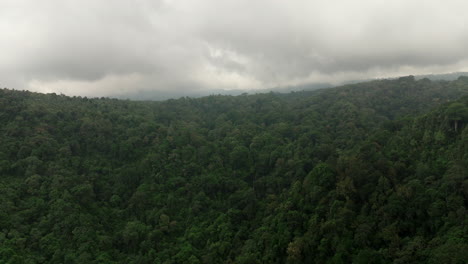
pixel 373 172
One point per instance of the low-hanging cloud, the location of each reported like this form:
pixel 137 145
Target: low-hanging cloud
pixel 119 47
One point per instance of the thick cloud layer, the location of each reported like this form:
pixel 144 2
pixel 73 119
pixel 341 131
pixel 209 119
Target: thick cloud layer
pixel 119 47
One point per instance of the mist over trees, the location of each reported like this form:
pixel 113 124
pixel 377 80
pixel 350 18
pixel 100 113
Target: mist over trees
pixel 373 172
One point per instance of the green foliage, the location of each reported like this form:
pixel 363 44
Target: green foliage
pixel 365 173
pixel 457 111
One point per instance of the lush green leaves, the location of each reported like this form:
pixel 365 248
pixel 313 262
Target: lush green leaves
pixel 364 173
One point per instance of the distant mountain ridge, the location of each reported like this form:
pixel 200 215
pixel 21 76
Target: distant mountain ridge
pixel 164 95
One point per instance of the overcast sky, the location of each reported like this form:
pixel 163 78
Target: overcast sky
pixel 118 47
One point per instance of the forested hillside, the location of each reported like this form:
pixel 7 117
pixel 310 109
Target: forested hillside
pixel 374 172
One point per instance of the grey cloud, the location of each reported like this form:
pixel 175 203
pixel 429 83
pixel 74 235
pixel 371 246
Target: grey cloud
pixel 118 47
pixel 350 38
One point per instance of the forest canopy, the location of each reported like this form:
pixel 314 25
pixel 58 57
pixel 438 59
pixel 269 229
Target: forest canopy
pixel 373 172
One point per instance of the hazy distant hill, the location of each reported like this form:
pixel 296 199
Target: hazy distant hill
pixel 445 77
pixel 164 95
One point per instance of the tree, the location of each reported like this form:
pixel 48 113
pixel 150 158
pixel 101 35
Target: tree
pixel 457 113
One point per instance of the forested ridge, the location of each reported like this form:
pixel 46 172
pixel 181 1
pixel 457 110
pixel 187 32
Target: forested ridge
pixel 373 172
